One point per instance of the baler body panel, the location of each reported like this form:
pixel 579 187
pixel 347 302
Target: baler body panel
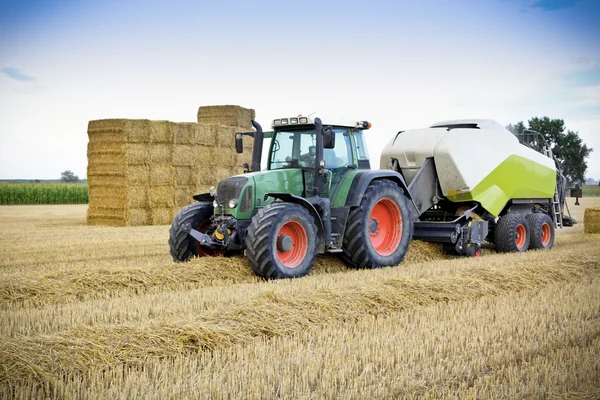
pixel 486 165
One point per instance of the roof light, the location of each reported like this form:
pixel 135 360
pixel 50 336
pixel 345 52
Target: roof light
pixel 293 120
pixel 277 122
pixel 363 125
pixel 284 121
pixel 304 120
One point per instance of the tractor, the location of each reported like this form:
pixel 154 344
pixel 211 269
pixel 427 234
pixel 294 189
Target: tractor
pixel 317 194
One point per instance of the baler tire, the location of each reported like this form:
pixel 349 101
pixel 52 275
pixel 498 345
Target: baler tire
pixel 182 245
pixel 262 241
pixel 358 248
pixel 505 233
pixel 542 231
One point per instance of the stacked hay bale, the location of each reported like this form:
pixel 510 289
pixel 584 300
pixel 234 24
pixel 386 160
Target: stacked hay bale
pixel 143 172
pixel 591 220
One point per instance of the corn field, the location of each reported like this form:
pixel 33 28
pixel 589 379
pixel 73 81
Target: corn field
pixel 43 193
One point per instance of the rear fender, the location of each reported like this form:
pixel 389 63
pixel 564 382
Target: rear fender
pixel 362 180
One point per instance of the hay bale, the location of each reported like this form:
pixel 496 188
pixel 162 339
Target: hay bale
pixel 183 195
pixel 226 136
pixel 137 130
pixel 161 216
pixel 205 135
pixel 161 153
pixel 591 220
pixel 159 132
pixel 183 155
pixel 106 130
pixel 161 174
pixel 137 175
pixel 137 217
pixel 183 133
pixel 161 196
pixel 212 175
pixel 184 176
pixel 226 115
pixel 137 154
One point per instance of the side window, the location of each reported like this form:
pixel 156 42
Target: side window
pixel 361 146
pixel 341 156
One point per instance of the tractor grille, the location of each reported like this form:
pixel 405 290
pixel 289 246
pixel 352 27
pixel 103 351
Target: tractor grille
pixel 230 188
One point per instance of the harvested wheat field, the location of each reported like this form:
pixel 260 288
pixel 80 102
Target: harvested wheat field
pixel 102 312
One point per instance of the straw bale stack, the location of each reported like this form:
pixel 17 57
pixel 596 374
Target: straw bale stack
pixel 591 220
pixel 142 172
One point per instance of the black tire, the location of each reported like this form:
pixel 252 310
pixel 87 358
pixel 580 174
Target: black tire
pixel 263 247
pixel 508 233
pixel 542 231
pixel 358 249
pixel 182 245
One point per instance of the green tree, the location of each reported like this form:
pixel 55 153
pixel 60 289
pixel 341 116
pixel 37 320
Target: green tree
pixel 69 177
pixel 567 146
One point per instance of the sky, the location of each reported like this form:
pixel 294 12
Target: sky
pixel 398 64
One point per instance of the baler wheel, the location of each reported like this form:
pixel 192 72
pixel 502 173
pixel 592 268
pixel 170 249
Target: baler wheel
pixel 182 245
pixel 379 229
pixel 542 231
pixel 512 233
pixel 282 241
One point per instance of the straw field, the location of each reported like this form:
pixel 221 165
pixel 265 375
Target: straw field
pixel 142 172
pixel 102 312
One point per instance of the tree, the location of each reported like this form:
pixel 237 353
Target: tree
pixel 69 177
pixel 567 147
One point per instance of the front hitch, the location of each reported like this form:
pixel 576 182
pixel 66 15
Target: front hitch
pixel 204 239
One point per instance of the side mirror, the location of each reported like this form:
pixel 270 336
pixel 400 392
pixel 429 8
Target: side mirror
pixel 239 144
pixel 328 138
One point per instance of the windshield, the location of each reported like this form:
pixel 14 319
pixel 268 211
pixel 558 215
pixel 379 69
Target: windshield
pixel 293 149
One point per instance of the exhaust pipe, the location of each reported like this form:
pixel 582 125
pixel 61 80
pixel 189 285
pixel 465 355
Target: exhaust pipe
pixel 258 146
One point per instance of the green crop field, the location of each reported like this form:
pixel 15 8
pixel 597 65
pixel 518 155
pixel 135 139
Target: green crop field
pixel 591 190
pixel 43 193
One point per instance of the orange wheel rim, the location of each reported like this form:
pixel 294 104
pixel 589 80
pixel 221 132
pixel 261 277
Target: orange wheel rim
pixel 385 227
pixel 546 233
pixel 299 244
pixel 521 235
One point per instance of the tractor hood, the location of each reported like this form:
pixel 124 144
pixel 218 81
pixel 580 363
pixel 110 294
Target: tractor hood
pixel 246 192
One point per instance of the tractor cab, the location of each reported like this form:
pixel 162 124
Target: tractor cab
pixel 323 152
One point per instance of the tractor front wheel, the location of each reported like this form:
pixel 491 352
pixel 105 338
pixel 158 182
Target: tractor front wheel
pixel 182 245
pixel 281 241
pixel 379 230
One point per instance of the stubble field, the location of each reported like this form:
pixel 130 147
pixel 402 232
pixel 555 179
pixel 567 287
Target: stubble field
pixel 96 312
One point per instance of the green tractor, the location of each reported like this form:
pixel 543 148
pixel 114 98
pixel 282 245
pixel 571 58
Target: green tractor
pixel 317 195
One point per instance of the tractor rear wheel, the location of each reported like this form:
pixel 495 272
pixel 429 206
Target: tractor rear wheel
pixel 182 245
pixel 542 231
pixel 282 241
pixel 512 233
pixel 379 230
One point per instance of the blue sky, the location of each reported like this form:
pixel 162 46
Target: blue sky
pixel 399 64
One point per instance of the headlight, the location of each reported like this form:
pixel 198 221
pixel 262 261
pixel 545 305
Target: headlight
pixel 233 203
pixel 215 204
